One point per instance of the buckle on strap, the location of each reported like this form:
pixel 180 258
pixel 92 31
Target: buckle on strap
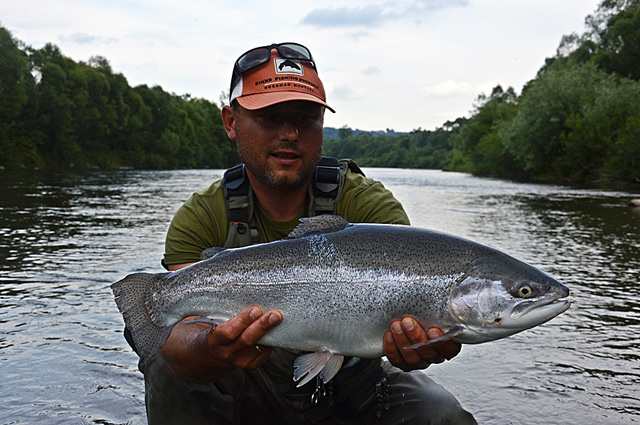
pixel 326 179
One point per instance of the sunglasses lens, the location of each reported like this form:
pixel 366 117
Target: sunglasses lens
pixel 253 58
pixel 294 51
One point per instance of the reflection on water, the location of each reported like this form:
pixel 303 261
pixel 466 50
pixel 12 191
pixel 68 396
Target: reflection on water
pixel 64 237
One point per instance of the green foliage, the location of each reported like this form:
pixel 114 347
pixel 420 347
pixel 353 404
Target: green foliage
pixel 57 113
pixel 578 120
pixel 568 121
pixel 419 149
pixel 478 145
pixel 611 42
pixel 18 139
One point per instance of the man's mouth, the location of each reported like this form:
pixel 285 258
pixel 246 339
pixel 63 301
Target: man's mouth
pixel 285 155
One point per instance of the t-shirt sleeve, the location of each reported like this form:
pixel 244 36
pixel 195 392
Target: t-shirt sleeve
pixel 199 223
pixel 364 200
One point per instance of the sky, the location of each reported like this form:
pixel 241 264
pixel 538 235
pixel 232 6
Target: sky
pixel 400 65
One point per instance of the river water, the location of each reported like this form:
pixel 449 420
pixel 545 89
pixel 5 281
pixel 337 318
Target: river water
pixel 65 237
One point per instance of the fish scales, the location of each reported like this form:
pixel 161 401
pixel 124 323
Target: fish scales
pixel 311 278
pixel 339 286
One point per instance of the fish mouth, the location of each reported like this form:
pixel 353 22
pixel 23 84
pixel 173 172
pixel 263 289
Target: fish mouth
pixel 534 312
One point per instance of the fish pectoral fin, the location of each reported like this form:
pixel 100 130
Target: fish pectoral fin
pixel 452 333
pixel 331 368
pixel 307 366
pixel 215 321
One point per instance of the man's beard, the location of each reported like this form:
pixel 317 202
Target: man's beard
pixel 267 177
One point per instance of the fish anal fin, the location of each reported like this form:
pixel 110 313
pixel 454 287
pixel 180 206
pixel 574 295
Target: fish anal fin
pixel 452 333
pixel 317 225
pixel 307 366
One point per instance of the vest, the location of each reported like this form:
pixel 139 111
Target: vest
pixel 324 192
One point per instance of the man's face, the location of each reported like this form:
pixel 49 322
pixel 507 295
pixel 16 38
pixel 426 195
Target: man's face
pixel 280 144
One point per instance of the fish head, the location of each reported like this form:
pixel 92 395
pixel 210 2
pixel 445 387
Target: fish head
pixel 500 296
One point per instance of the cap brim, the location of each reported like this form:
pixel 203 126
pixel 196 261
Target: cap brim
pixel 262 100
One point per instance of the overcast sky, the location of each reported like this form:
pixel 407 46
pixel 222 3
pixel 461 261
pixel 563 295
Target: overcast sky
pixel 402 64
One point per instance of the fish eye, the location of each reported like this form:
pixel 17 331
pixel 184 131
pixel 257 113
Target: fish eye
pixel 525 291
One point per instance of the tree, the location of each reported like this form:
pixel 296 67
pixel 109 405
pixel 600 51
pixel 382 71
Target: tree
pixel 17 137
pixel 480 149
pixel 568 120
pixel 611 41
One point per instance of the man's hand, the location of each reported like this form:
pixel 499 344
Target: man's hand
pixel 198 352
pixel 235 342
pixel 408 332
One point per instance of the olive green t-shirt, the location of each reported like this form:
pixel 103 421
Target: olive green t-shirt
pixel 202 221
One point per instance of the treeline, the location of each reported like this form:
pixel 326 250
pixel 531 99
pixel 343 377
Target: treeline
pixel 577 121
pixel 418 149
pixel 56 113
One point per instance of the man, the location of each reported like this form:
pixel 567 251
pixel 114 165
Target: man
pixel 218 374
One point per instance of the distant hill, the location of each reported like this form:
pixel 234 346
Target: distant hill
pixel 333 133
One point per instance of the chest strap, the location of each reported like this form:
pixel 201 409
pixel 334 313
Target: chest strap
pixel 324 192
pixel 238 195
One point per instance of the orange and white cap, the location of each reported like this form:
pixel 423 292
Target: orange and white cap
pixel 279 80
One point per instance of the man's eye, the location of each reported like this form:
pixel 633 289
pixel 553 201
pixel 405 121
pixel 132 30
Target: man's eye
pixel 268 120
pixel 307 120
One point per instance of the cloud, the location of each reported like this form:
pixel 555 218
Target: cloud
pixel 431 5
pixel 452 88
pixel 345 92
pixel 84 38
pixel 369 15
pixel 372 70
pixel 357 35
pixel 374 14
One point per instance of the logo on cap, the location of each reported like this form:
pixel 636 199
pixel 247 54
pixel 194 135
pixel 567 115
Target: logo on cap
pixel 288 66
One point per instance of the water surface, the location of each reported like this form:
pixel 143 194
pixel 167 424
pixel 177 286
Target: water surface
pixel 65 237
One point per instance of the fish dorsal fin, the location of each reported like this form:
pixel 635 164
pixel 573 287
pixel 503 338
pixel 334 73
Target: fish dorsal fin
pixel 211 252
pixel 319 224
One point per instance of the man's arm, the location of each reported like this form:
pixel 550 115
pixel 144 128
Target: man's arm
pixel 205 353
pixel 174 267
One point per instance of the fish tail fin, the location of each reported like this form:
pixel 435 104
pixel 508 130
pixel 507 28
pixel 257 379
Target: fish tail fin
pixel 130 294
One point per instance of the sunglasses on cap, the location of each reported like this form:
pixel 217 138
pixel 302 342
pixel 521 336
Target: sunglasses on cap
pixel 260 55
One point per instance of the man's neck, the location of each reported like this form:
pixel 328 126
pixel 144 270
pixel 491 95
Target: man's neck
pixel 279 205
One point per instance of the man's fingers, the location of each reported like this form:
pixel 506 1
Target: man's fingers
pixel 230 330
pixel 259 328
pixel 256 360
pixel 447 349
pixel 407 332
pixel 247 327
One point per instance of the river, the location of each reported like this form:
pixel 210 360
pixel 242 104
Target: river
pixel 65 237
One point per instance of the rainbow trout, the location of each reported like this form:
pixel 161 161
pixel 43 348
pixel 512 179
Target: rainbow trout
pixel 339 286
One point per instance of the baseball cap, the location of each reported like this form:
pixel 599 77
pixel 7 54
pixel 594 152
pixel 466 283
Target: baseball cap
pixel 275 75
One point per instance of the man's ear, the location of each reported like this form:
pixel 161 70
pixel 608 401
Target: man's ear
pixel 228 120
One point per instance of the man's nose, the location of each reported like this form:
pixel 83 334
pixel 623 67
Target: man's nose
pixel 289 131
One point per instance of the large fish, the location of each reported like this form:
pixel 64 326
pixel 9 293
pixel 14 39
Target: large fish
pixel 339 286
